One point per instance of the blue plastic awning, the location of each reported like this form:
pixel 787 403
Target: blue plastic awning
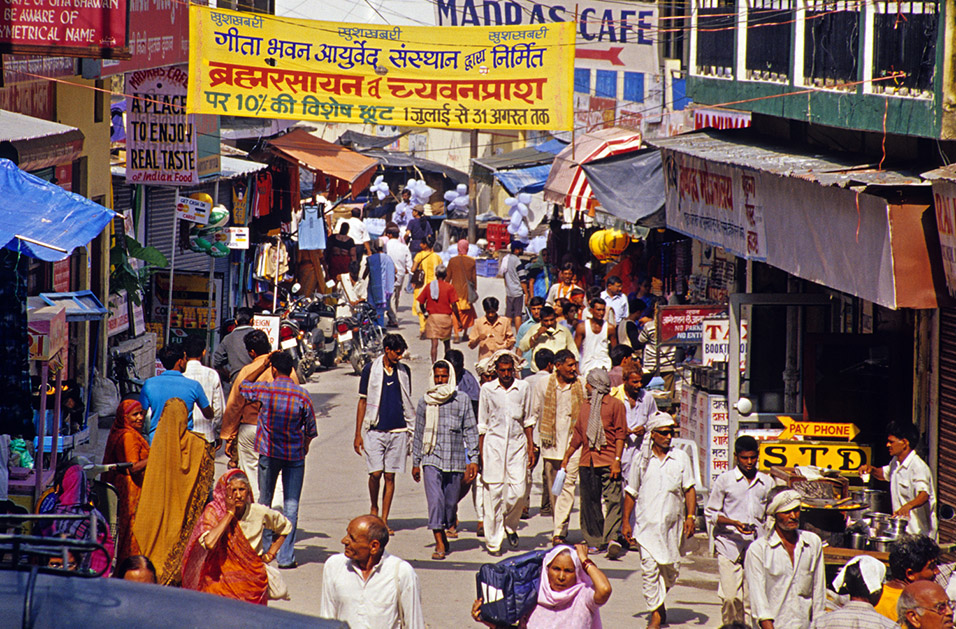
pixel 528 180
pixel 41 219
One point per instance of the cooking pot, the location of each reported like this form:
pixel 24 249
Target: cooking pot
pixel 872 499
pixel 881 544
pixel 856 541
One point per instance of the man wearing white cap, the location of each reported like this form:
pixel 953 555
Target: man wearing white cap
pixel 784 571
pixel 661 484
pixel 862 580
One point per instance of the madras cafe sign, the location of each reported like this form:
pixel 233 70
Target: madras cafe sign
pixel 507 77
pixel 77 28
pixel 161 146
pixel 944 199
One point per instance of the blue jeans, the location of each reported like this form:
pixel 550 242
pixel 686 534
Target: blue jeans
pixel 293 473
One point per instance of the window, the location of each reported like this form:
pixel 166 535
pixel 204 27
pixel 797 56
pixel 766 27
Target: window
pixel 582 80
pixel 679 93
pixel 606 84
pixel 634 87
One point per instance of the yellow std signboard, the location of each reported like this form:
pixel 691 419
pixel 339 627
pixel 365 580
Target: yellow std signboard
pixel 502 77
pixel 843 457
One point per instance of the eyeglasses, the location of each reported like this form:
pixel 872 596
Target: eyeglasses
pixel 941 608
pixel 665 433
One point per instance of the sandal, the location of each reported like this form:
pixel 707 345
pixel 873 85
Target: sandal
pixel 451 533
pixel 557 540
pixel 437 555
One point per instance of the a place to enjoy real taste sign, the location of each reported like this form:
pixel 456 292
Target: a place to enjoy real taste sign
pixel 457 78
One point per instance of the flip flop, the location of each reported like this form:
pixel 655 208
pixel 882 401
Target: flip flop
pixel 391 531
pixel 438 555
pixel 451 533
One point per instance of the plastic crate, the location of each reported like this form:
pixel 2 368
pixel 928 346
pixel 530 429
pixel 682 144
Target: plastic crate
pixel 497 236
pixel 487 267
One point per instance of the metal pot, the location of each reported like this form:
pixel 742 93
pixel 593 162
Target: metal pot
pixel 856 541
pixel 881 544
pixel 872 499
pixel 894 528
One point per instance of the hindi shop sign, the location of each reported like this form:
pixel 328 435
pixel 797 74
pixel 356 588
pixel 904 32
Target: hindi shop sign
pixel 683 325
pixel 720 205
pixel 610 34
pixel 75 28
pixel 161 146
pixel 508 77
pixel 944 199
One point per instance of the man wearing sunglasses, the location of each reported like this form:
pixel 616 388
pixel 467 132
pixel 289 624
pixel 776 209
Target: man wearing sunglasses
pixel 925 605
pixel 661 484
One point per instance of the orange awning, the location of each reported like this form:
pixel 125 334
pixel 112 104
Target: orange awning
pixel 332 160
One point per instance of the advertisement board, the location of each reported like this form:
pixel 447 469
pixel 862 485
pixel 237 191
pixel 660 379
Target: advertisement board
pixel 944 200
pixel 158 36
pixel 507 77
pixel 683 325
pixel 160 137
pixel 75 28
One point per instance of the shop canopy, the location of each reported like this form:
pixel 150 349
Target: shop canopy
pixel 824 217
pixel 359 141
pixel 38 143
pixel 568 184
pixel 530 180
pixel 332 160
pixel 41 219
pixel 522 170
pixel 399 159
pixel 630 186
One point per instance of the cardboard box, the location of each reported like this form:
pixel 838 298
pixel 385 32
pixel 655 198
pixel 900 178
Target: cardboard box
pixel 47 330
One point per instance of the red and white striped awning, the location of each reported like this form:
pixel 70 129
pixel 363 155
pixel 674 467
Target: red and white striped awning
pixel 568 183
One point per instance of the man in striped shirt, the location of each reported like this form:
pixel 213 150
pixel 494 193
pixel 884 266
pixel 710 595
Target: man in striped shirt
pixel 286 426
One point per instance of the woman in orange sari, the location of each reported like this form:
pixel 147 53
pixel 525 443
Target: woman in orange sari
pixel 126 444
pixel 224 555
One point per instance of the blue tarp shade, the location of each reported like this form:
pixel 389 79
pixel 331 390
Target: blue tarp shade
pixel 630 186
pixel 528 180
pixel 46 213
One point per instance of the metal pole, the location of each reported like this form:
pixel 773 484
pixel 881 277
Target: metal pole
pixel 172 269
pixel 38 467
pixel 212 270
pixel 275 285
pixel 473 186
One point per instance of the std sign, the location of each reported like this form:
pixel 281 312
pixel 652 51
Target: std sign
pixel 842 457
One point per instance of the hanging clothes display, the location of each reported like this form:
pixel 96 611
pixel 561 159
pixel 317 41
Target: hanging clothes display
pixel 263 195
pixel 311 229
pixel 267 260
pixel 240 198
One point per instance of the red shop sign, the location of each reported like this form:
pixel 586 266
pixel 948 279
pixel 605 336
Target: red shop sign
pixel 76 28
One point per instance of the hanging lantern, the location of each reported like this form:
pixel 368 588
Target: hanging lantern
pixel 608 243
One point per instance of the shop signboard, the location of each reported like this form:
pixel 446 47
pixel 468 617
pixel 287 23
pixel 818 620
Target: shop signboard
pixel 793 428
pixel 270 325
pixel 944 199
pixel 193 210
pixel 840 456
pixel 234 237
pixel 79 28
pixel 611 35
pixel 716 342
pixel 158 36
pixel 683 325
pixel 502 77
pixel 161 139
pixel 718 204
pixel 118 320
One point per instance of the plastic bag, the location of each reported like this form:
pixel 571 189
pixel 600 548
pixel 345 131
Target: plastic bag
pixel 106 396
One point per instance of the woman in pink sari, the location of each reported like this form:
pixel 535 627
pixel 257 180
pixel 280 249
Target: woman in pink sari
pixel 571 592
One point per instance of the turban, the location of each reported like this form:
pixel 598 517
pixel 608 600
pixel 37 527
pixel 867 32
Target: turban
pixel 660 419
pixel 462 247
pixel 600 386
pixel 786 500
pixel 871 568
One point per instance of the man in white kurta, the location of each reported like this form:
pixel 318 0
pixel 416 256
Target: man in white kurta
pixel 785 571
pixel 505 424
pixel 661 486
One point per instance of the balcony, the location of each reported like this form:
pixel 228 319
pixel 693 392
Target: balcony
pixel 868 63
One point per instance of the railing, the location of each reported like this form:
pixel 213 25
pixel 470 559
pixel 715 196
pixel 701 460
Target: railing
pixel 905 41
pixel 715 37
pixel 769 37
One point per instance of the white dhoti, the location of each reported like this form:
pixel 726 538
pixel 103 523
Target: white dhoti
pixel 478 497
pixel 656 579
pixel 503 505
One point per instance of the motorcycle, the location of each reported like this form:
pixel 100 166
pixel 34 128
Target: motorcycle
pixel 360 336
pixel 311 322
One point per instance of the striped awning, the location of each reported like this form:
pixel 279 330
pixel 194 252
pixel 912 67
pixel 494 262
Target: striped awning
pixel 568 183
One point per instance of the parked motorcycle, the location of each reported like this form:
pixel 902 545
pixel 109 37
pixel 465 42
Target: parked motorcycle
pixel 311 322
pixel 360 336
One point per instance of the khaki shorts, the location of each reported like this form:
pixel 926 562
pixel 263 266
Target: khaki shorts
pixel 386 451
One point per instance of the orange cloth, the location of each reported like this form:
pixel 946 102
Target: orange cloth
pixel 180 466
pixel 232 569
pixel 125 445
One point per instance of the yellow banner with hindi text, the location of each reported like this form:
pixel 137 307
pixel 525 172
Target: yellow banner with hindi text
pixel 504 77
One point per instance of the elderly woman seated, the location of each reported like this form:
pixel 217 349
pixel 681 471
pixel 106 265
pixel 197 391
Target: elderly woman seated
pixel 570 595
pixel 224 555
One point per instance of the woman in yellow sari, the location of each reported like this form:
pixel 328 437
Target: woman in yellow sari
pixel 180 468
pixel 426 260
pixel 126 444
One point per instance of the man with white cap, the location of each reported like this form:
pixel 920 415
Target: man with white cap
pixel 784 570
pixel 661 484
pixel 862 580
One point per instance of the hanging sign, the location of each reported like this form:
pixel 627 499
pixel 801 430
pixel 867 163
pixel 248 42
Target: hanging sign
pixel 683 325
pixel 716 342
pixel 270 325
pixel 944 200
pixel 234 237
pixel 816 430
pixel 843 457
pixel 503 77
pixel 74 28
pixel 193 210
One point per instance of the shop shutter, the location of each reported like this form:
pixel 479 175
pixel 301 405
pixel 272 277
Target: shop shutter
pixel 946 482
pixel 122 195
pixel 160 205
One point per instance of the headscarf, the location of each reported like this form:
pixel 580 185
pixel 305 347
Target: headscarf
pixel 658 420
pixel 123 429
pixel 485 366
pixel 435 396
pixel 231 569
pixel 600 386
pixel 493 360
pixel 463 247
pixel 786 500
pixel 567 606
pixel 871 569
pixel 549 408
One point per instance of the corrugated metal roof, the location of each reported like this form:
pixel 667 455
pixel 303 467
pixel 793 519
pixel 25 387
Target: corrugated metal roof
pixel 742 148
pixel 947 173
pixel 14 126
pixel 400 159
pixel 229 167
pixel 528 156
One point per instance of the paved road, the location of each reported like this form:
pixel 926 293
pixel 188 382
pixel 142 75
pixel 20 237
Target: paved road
pixel 336 491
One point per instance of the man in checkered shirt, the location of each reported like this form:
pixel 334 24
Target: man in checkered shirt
pixel 286 426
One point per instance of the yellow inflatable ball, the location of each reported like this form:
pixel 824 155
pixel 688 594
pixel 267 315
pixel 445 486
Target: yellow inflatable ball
pixel 202 196
pixel 608 243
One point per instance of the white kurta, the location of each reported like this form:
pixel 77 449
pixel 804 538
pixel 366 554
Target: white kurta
pixel 907 480
pixel 503 414
pixel 390 599
pixel 659 494
pixel 791 594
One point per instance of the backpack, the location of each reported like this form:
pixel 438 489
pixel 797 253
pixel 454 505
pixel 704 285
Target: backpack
pixel 509 588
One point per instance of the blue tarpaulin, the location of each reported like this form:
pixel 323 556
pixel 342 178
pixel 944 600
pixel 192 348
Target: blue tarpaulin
pixel 35 213
pixel 528 180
